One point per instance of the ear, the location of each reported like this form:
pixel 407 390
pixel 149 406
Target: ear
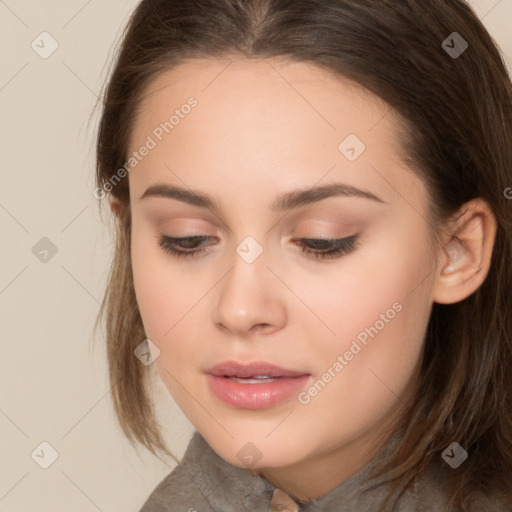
pixel 465 258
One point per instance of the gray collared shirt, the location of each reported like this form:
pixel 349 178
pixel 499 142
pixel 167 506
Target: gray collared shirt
pixel 204 482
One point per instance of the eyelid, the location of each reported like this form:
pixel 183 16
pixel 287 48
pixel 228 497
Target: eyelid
pixel 337 247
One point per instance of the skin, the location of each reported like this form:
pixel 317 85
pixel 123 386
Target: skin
pixel 261 129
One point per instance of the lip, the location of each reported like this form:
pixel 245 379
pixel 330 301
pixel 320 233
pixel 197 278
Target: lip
pixel 235 369
pixel 256 395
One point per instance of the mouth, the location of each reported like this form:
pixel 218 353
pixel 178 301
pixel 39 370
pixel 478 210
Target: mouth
pixel 256 371
pixel 257 379
pixel 256 385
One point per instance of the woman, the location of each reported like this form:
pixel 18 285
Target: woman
pixel 313 246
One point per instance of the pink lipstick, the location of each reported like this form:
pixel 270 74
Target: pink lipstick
pixel 257 385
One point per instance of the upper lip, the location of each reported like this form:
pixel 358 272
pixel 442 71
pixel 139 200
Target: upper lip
pixel 257 368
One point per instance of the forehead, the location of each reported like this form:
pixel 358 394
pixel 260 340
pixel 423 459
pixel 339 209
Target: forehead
pixel 238 75
pixel 265 121
pixel 265 93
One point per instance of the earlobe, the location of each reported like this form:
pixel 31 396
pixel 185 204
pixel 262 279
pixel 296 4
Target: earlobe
pixel 465 260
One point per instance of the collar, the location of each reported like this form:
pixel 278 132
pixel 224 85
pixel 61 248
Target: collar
pixel 229 488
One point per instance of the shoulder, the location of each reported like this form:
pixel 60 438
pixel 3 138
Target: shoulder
pixel 430 493
pixel 204 482
pixel 178 491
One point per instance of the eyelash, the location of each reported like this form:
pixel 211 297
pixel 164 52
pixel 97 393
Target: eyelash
pixel 338 247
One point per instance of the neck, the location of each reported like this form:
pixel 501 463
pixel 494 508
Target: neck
pixel 316 476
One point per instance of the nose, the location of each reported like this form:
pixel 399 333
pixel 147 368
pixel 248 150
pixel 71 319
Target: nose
pixel 250 298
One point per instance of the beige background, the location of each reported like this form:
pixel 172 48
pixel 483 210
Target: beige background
pixel 52 387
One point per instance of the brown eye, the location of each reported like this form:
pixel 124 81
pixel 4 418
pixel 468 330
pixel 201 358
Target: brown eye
pixel 322 248
pixel 185 246
pixel 318 248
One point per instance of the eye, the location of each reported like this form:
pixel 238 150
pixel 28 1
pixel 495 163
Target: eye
pixel 168 244
pixel 319 248
pixel 325 248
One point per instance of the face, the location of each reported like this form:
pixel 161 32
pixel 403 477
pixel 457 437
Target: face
pixel 266 281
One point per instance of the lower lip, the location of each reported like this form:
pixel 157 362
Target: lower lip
pixel 255 396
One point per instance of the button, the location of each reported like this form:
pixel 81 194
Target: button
pixel 282 501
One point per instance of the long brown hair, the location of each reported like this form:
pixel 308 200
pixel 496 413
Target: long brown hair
pixel 457 110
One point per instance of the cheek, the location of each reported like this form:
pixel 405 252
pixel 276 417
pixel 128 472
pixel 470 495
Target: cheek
pixel 380 317
pixel 165 302
pixel 159 291
pixel 390 271
pixel 170 299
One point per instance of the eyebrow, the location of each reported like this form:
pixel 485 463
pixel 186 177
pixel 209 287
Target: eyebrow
pixel 284 202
